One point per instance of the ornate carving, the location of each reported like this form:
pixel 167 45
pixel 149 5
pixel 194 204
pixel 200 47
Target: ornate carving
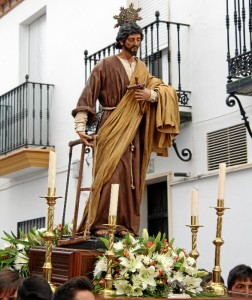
pixel 127 15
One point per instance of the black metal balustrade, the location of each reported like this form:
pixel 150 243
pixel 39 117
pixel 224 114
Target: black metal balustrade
pixel 239 38
pixel 24 116
pixel 239 53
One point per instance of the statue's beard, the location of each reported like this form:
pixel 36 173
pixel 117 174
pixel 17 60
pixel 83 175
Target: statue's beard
pixel 130 51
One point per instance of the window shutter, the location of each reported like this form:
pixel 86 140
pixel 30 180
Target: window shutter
pixel 227 145
pixel 37 50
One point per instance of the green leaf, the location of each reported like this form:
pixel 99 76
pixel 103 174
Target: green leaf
pixel 128 239
pixel 101 249
pixel 172 241
pixel 105 242
pixel 99 275
pixel 201 273
pixel 151 250
pixel 34 231
pixel 8 235
pixel 141 250
pixel 14 235
pixel 9 260
pixel 158 237
pixel 145 236
pixel 163 238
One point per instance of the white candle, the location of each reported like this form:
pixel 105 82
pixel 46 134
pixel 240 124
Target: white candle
pixel 114 199
pixel 52 170
pixel 221 181
pixel 195 202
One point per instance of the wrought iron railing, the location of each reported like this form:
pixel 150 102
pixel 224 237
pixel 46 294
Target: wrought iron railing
pixel 239 38
pixel 24 116
pixel 239 53
pixel 161 47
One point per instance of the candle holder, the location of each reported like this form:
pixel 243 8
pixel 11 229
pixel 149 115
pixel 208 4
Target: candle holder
pixel 49 236
pixel 217 286
pixel 108 291
pixel 194 229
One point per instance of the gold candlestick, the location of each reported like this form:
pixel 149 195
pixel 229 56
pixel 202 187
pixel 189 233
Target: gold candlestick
pixel 217 286
pixel 49 236
pixel 194 229
pixel 108 291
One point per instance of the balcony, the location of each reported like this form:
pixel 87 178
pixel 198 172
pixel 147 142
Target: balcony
pixel 24 128
pixel 239 53
pixel 161 50
pixel 239 47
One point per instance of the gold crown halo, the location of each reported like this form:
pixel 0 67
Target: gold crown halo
pixel 127 15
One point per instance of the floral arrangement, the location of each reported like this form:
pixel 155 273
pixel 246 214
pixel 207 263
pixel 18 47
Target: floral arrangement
pixel 149 267
pixel 15 254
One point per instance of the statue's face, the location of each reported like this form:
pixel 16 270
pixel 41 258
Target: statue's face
pixel 132 43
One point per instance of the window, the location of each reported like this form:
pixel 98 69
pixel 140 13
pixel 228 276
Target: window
pixel 37 50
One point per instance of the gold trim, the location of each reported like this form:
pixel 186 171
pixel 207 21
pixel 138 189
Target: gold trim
pixel 23 159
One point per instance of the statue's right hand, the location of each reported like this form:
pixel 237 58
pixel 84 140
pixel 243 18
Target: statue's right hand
pixel 86 139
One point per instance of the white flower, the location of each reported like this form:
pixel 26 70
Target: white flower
pixel 133 240
pixel 101 265
pixel 137 283
pixel 190 270
pixel 132 263
pixel 165 262
pixel 178 276
pixel 21 260
pixel 190 261
pixel 42 230
pixel 123 287
pixel 146 259
pixel 193 284
pixel 118 246
pixel 147 276
pixel 20 246
pixel 136 247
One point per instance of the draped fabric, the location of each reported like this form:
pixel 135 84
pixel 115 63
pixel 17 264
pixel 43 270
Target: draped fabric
pixel 149 129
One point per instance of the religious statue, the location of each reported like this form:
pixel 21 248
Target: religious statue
pixel 140 115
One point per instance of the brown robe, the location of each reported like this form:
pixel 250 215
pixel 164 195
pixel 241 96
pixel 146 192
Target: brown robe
pixel 118 130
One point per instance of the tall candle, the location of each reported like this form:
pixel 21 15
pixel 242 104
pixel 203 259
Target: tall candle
pixel 195 202
pixel 114 199
pixel 221 181
pixel 52 170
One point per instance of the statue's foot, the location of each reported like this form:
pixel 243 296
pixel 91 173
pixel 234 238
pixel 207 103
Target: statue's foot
pixel 123 232
pixel 101 232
